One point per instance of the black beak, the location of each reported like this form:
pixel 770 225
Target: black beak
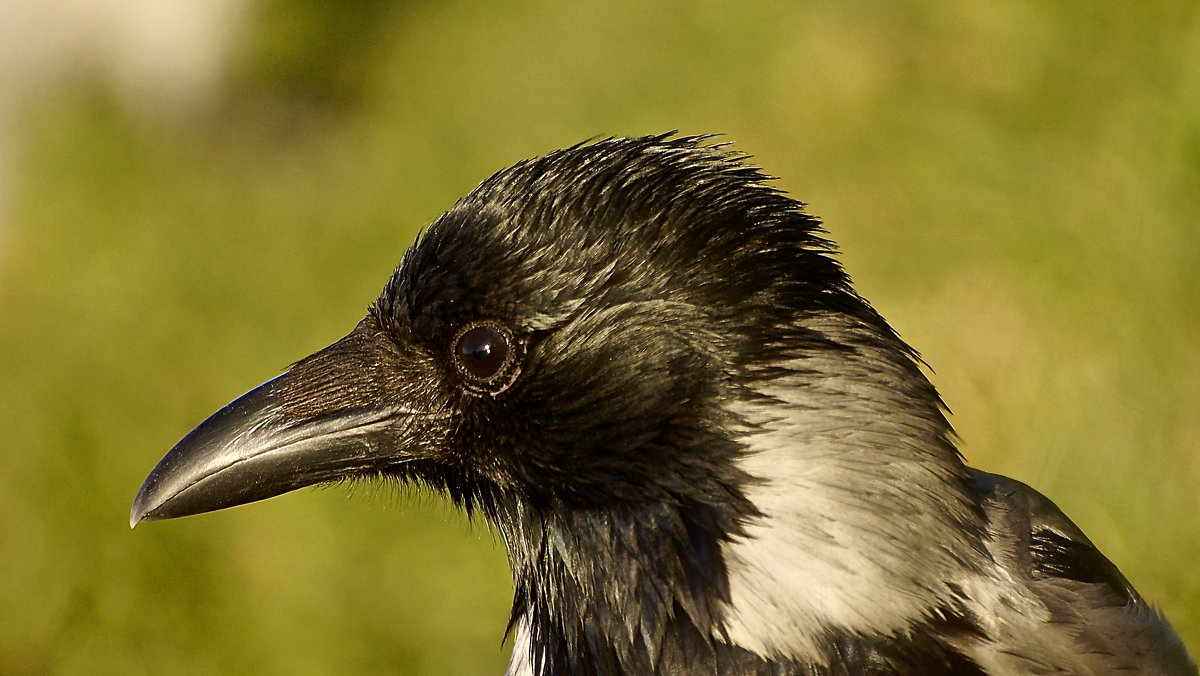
pixel 337 414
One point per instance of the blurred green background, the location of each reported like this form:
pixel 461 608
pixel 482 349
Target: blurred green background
pixel 1015 185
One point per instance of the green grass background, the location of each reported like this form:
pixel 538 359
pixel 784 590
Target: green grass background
pixel 1015 185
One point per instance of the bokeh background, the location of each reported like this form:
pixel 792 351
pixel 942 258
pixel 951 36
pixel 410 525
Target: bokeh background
pixel 194 194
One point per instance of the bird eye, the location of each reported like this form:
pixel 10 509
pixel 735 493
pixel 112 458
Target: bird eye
pixel 488 357
pixel 482 351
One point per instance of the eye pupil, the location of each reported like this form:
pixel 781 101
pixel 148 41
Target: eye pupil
pixel 482 352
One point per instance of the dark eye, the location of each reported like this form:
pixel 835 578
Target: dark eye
pixel 482 352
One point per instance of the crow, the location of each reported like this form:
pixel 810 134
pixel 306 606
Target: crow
pixel 704 452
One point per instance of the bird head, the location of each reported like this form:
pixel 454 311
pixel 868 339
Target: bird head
pixel 568 333
pixel 604 350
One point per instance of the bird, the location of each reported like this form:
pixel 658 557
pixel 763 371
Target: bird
pixel 643 364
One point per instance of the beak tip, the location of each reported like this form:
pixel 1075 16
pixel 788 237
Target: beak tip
pixel 139 509
pixel 144 504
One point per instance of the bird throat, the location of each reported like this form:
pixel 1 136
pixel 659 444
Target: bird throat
pixel 629 590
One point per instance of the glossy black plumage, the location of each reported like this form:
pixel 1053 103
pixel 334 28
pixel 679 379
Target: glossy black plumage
pixel 705 453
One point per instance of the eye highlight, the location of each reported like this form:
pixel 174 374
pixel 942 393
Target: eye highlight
pixel 486 356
